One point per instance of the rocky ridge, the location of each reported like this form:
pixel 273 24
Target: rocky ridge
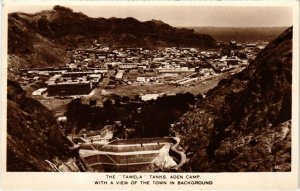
pixel 244 124
pixel 42 39
pixel 33 134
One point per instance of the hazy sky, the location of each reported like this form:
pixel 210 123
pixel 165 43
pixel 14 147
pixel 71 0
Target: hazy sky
pixel 219 16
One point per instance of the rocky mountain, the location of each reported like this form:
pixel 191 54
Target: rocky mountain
pixel 33 135
pixel 42 39
pixel 242 34
pixel 244 124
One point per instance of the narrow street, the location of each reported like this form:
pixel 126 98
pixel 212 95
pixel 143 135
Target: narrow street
pixel 96 94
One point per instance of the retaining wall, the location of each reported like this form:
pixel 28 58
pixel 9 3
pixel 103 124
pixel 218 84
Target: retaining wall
pixel 128 155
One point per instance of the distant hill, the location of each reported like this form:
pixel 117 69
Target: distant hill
pixel 42 39
pixel 244 124
pixel 246 34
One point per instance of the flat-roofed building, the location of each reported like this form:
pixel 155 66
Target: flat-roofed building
pixel 59 86
pixel 127 66
pixel 175 70
pixel 77 74
pixel 95 78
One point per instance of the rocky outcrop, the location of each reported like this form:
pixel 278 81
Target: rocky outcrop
pixel 33 135
pixel 244 123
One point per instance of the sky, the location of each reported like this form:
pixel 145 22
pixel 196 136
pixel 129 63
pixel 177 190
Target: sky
pixel 187 15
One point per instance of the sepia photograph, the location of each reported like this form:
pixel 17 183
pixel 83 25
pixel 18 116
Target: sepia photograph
pixel 151 90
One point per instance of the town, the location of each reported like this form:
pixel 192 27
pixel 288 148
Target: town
pixel 95 72
pixel 111 68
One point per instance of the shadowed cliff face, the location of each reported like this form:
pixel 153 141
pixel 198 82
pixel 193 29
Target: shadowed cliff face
pixel 244 124
pixel 32 133
pixel 42 39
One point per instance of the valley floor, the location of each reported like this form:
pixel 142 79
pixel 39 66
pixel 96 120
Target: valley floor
pixel 100 94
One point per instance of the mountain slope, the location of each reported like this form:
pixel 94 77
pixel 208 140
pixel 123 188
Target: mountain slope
pixel 42 39
pixel 244 124
pixel 242 34
pixel 33 135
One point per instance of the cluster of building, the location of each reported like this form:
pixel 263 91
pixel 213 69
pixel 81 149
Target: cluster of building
pixel 63 81
pixel 129 66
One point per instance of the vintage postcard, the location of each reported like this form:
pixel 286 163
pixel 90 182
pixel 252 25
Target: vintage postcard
pixel 150 95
